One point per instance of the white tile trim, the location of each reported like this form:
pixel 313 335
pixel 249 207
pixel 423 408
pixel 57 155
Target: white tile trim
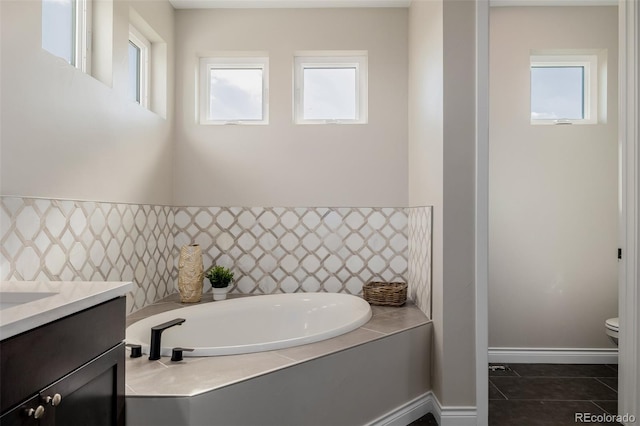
pixel 554 355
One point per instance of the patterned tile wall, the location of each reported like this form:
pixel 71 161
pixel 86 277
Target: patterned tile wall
pixel 299 249
pixel 420 226
pixel 271 249
pixel 43 239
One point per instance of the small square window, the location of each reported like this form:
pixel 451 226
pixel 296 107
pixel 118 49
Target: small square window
pixel 557 92
pixel 330 89
pixel 563 89
pixel 329 94
pixel 234 90
pixel 65 25
pixel 139 51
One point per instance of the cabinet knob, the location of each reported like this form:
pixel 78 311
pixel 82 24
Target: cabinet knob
pixel 53 400
pixel 35 413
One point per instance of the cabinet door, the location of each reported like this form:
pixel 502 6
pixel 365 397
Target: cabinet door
pixel 91 395
pixel 35 359
pixel 24 414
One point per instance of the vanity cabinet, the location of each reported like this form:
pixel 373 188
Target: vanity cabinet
pixel 67 372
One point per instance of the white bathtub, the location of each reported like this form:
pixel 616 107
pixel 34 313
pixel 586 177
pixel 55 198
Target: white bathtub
pixel 255 324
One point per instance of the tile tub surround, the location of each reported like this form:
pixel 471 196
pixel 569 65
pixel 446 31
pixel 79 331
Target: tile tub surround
pixel 164 378
pixel 419 257
pixel 282 249
pixel 374 370
pixel 271 249
pixel 62 240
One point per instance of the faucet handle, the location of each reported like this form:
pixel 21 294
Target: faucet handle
pixel 136 350
pixel 176 353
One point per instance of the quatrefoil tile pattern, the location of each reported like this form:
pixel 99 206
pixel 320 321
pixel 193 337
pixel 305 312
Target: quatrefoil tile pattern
pixel 274 250
pixel 419 257
pixel 59 240
pixel 270 249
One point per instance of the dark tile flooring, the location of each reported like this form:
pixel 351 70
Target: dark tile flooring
pixel 427 420
pixel 548 394
pixel 551 394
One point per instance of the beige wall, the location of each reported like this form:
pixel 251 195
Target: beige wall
pixel 67 135
pixel 553 191
pixel 283 164
pixel 426 145
pixel 458 216
pixel 441 173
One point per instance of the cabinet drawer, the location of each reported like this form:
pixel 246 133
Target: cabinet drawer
pixel 33 360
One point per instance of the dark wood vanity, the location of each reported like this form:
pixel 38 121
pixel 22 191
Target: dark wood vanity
pixel 67 372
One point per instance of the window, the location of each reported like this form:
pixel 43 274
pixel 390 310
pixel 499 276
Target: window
pixel 65 30
pixel 564 89
pixel 234 90
pixel 331 88
pixel 139 50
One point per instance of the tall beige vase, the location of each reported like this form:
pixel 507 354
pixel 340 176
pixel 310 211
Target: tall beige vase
pixel 190 273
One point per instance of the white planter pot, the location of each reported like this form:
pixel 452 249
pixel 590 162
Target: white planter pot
pixel 220 293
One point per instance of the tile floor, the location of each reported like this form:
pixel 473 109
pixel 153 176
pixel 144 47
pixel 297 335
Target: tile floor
pixel 427 420
pixel 547 394
pixel 551 394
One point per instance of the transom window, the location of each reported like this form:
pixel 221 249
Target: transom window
pixel 139 51
pixel 563 89
pixel 234 90
pixel 65 27
pixel 330 89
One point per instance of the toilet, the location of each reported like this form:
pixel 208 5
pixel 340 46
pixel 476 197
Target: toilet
pixel 611 326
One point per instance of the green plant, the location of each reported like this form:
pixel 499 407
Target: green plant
pixel 219 276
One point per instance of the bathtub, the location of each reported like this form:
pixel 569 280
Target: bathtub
pixel 255 324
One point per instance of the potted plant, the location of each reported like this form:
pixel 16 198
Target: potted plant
pixel 220 278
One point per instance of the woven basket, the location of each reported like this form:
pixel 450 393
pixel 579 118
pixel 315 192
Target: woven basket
pixel 389 294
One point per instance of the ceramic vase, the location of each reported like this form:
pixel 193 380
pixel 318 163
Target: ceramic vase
pixel 190 273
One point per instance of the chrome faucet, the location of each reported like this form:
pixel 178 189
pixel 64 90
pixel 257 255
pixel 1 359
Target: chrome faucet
pixel 156 333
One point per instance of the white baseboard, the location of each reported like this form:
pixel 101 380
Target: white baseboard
pixel 553 355
pixel 428 403
pixel 454 416
pixel 406 413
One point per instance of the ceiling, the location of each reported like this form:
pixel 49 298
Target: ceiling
pixel 259 4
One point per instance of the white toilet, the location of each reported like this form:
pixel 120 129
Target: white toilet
pixel 611 326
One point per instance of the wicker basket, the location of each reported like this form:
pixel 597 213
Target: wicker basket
pixel 389 294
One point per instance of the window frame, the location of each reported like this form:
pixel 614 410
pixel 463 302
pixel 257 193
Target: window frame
pixel 232 62
pixel 83 35
pixel 589 64
pixel 144 75
pixel 358 60
pixel 81 38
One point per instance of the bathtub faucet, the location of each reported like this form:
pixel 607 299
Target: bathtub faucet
pixel 156 332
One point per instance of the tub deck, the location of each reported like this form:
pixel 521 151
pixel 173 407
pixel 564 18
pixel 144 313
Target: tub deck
pixel 199 375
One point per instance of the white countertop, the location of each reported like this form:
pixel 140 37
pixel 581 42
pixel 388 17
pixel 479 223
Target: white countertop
pixel 26 305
